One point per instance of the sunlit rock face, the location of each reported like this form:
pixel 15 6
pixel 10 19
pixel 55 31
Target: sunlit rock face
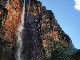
pixel 9 22
pixel 41 37
pixel 13 18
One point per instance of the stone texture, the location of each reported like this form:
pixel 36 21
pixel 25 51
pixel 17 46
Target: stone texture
pixel 43 38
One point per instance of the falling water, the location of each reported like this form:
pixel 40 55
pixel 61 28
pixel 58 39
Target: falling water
pixel 19 34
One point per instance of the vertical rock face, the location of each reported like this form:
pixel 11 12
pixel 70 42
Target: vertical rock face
pixel 42 37
pixel 9 22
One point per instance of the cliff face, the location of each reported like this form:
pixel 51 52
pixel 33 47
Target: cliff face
pixel 42 36
pixel 9 21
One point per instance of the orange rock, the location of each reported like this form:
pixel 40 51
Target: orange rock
pixel 45 42
pixel 13 18
pixel 55 35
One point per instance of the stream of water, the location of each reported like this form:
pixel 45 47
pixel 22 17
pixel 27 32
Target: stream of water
pixel 19 34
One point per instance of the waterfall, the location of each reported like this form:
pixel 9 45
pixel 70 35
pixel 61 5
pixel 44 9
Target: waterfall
pixel 19 34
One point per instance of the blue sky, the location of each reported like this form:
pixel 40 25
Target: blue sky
pixel 68 16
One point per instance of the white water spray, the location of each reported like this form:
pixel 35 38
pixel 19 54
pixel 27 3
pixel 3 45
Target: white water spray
pixel 19 34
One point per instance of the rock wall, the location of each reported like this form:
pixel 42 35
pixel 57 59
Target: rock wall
pixel 43 38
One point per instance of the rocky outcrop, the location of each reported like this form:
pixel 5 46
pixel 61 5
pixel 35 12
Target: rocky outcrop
pixel 42 36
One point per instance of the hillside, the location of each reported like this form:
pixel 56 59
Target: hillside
pixel 42 38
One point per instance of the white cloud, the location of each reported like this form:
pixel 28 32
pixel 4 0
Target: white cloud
pixel 77 4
